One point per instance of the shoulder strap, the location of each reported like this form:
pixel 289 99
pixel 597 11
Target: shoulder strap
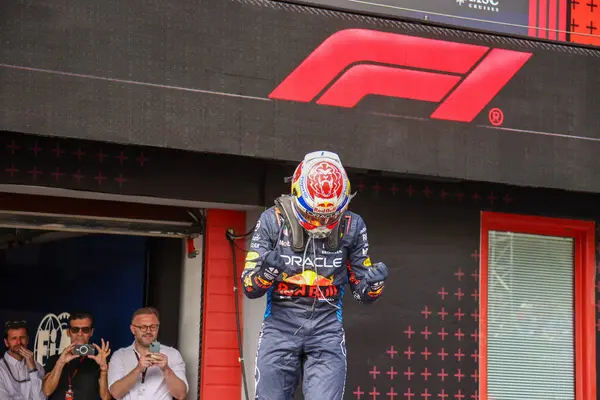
pixel 296 232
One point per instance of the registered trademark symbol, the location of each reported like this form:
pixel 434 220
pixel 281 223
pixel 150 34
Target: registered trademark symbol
pixel 496 116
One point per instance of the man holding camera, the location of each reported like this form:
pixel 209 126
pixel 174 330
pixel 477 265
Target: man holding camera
pixel 20 375
pixel 147 370
pixel 80 371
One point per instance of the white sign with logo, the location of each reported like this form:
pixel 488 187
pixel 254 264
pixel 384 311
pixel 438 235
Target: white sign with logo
pixel 51 337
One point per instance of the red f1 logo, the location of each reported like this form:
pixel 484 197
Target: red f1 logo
pixel 362 62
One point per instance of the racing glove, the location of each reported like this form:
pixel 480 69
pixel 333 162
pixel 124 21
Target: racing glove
pixel 371 286
pixel 272 266
pixel 375 276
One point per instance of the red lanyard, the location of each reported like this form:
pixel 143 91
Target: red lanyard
pixel 76 371
pixel 145 369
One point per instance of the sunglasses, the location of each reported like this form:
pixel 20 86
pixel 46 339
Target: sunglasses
pixel 76 329
pixel 14 324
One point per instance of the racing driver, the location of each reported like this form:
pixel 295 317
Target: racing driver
pixel 303 252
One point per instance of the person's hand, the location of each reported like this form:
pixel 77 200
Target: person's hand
pixel 67 355
pixel 161 362
pixel 144 362
pixel 273 265
pixel 376 274
pixel 28 356
pixel 103 353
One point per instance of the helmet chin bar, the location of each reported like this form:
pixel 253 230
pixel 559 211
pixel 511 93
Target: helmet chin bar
pixel 316 232
pixel 319 233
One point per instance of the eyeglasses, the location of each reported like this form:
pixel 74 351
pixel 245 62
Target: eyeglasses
pixel 144 328
pixel 76 329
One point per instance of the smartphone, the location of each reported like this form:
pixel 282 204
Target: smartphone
pixel 155 347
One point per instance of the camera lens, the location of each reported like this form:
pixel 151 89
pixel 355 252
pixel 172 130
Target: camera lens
pixel 83 350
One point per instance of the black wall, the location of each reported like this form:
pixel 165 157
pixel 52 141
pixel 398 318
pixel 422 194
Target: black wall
pixel 424 242
pixel 129 170
pixel 197 75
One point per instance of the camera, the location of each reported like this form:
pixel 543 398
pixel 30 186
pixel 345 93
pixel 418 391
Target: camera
pixel 84 350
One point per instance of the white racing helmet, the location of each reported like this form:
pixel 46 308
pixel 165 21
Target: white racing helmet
pixel 321 191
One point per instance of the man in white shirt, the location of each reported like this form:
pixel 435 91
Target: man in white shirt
pixel 136 373
pixel 20 375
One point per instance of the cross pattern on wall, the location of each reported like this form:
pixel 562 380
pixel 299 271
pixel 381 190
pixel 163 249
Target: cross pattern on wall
pixel 437 356
pixel 429 192
pixel 64 162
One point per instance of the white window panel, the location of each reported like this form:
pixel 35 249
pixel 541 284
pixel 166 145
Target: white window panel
pixel 531 312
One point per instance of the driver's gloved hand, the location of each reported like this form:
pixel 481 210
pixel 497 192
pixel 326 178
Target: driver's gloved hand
pixel 373 280
pixel 376 274
pixel 273 265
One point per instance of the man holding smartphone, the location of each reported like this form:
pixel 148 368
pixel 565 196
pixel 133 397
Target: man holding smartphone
pixel 147 369
pixel 80 371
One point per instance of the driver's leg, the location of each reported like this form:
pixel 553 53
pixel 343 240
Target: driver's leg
pixel 325 362
pixel 277 361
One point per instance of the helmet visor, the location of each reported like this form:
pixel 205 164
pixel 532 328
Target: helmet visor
pixel 312 220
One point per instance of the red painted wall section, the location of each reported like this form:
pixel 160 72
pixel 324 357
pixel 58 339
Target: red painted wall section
pixel 220 370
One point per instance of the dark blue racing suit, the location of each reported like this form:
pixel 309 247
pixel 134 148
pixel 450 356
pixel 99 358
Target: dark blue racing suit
pixel 302 328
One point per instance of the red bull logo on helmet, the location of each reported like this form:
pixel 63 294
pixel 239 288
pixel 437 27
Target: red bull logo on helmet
pixel 325 181
pixel 326 207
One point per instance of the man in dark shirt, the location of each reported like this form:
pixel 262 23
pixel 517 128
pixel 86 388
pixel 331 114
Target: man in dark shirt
pixel 81 377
